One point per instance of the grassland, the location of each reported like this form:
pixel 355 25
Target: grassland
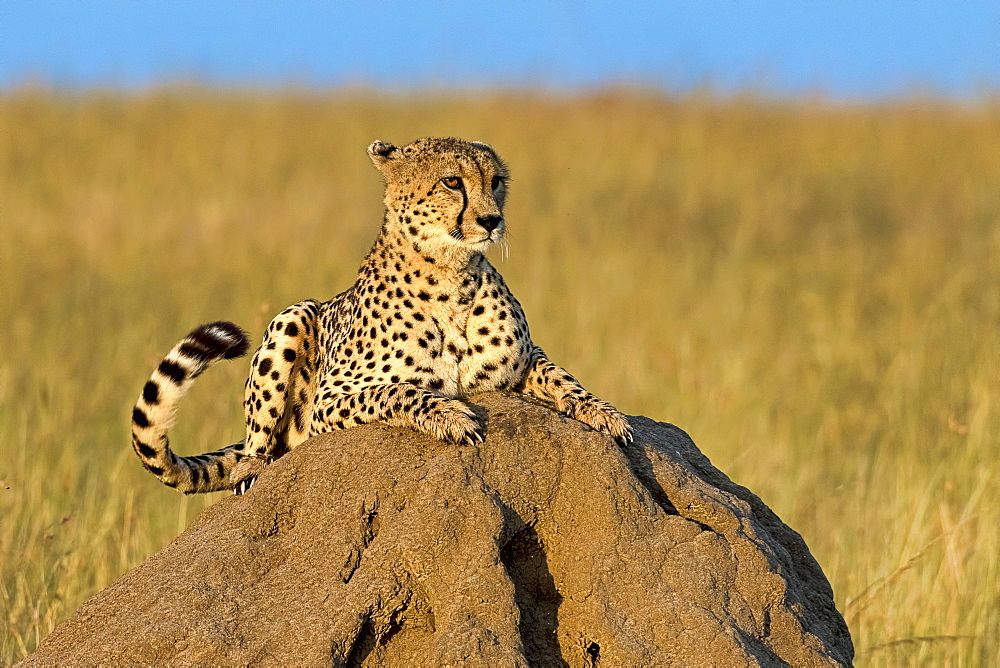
pixel 812 291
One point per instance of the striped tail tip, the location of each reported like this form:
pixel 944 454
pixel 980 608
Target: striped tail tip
pixel 216 340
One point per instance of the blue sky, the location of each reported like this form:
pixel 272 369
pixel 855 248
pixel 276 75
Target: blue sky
pixel 845 49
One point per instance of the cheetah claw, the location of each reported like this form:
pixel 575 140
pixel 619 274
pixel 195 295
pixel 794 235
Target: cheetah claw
pixel 624 439
pixel 470 437
pixel 243 486
pixel 245 473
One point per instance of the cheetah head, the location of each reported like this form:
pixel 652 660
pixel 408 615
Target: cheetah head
pixel 444 194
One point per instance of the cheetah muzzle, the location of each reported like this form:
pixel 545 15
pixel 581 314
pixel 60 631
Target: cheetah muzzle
pixel 428 322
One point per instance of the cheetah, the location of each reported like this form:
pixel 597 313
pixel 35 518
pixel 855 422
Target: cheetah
pixel 428 322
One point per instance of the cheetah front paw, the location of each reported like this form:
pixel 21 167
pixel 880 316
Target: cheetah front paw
pixel 245 473
pixel 599 415
pixel 453 421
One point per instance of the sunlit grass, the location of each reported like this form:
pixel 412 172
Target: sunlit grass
pixel 812 292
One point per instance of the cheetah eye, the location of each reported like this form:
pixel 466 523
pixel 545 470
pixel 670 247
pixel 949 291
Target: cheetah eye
pixel 497 182
pixel 452 182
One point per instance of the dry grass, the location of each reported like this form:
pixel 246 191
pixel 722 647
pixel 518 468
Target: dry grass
pixel 813 292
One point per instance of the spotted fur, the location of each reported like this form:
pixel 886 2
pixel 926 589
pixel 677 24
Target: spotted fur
pixel 428 322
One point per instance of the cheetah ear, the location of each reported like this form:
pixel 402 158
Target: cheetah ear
pixel 483 145
pixel 380 152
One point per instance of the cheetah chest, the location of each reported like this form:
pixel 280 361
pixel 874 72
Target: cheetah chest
pixel 455 337
pixel 481 347
pixel 498 346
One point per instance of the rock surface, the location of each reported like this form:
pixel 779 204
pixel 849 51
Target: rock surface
pixel 548 545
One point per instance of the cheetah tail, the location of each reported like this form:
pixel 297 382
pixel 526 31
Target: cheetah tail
pixel 153 414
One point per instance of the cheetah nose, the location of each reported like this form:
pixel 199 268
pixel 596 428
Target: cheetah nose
pixel 489 223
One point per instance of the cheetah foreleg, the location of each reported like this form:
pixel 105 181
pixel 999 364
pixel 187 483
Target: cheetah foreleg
pixel 549 382
pixel 399 404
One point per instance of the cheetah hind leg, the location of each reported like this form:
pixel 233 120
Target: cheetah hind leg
pixel 278 386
